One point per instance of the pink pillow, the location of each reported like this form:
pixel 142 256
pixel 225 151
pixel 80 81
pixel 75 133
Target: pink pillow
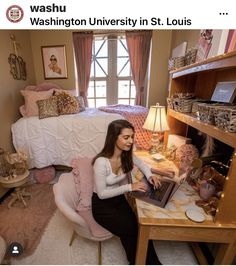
pixel 31 98
pixel 44 175
pixel 22 110
pixel 47 86
pixel 30 88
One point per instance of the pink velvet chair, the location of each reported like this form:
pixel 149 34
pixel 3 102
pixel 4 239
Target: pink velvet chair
pixel 73 193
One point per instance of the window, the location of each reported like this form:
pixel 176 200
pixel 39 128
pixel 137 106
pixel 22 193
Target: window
pixel 110 78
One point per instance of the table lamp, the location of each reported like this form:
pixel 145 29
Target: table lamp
pixel 156 122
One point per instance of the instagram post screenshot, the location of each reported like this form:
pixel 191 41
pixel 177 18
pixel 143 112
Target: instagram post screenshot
pixel 117 132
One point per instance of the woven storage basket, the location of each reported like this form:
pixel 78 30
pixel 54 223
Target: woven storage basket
pixel 170 102
pixel 195 105
pixel 176 62
pixel 206 112
pixel 190 56
pixel 183 105
pixel 225 118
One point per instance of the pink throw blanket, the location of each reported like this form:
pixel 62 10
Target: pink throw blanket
pixel 136 115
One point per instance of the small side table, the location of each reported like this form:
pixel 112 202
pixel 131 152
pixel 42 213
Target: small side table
pixel 16 183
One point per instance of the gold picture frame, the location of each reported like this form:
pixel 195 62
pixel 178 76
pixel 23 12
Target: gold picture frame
pixel 54 62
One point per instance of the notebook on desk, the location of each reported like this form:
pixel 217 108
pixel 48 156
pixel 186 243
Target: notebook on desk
pixel 160 196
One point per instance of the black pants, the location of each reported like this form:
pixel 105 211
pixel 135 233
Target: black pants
pixel 116 215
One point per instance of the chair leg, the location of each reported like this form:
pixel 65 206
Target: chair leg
pixel 72 238
pixel 99 253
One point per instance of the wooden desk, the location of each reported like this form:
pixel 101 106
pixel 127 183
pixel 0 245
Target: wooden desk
pixel 170 223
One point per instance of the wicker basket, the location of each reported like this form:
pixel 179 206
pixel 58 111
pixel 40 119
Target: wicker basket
pixel 176 62
pixel 195 105
pixel 225 118
pixel 206 112
pixel 170 102
pixel 183 105
pixel 190 56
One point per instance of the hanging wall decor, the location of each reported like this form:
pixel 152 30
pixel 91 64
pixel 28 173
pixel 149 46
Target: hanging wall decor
pixel 17 64
pixel 54 62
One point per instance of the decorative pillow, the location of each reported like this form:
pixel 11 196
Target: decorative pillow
pixel 31 98
pixel 48 107
pixel 80 100
pixel 70 92
pixel 30 88
pixel 66 103
pixel 47 86
pixel 44 175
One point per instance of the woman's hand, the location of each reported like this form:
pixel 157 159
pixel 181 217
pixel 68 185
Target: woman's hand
pixel 154 181
pixel 139 186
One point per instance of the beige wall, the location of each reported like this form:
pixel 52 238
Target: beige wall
pixel 189 36
pixel 53 37
pixel 10 98
pixel 158 82
pixel 163 41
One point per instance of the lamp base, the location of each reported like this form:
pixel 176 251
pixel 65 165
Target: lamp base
pixel 155 144
pixel 153 150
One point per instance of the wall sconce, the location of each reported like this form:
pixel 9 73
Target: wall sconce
pixel 156 122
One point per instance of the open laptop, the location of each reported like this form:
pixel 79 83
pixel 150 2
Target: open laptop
pixel 159 196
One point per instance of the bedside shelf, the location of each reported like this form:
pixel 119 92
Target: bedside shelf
pixel 226 137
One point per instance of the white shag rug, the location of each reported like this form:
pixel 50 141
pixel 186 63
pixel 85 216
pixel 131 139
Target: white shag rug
pixel 54 249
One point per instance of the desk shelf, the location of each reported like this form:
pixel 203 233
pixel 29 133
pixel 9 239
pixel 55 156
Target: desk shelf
pixel 201 79
pixel 191 120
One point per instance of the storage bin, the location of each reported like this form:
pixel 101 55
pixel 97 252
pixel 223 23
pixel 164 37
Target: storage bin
pixel 225 118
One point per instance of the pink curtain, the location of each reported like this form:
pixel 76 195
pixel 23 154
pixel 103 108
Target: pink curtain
pixel 83 42
pixel 138 43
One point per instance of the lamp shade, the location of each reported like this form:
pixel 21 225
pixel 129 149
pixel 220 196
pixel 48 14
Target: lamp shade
pixel 156 119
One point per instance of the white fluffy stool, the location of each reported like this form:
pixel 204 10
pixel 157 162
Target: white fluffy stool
pixel 3 248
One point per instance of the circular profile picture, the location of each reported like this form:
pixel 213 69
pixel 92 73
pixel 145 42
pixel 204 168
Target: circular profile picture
pixel 14 13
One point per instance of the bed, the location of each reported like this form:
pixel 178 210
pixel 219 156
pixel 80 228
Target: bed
pixel 57 140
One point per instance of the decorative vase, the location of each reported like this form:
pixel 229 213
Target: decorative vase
pixel 206 190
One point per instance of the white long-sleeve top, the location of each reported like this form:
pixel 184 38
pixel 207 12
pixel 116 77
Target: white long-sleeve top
pixel 108 184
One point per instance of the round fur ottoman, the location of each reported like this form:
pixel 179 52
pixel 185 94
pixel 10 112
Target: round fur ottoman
pixel 3 248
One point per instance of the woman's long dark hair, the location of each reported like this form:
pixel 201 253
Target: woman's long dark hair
pixel 113 131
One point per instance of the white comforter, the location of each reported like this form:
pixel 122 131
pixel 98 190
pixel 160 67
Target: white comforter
pixel 57 140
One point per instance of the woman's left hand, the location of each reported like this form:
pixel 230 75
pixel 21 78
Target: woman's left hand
pixel 154 181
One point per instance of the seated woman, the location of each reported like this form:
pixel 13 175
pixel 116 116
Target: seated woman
pixel 112 168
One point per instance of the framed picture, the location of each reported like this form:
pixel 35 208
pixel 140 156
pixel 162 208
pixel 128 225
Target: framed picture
pixel 224 92
pixel 204 45
pixel 54 62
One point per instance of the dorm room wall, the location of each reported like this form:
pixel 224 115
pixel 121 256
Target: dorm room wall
pixel 10 98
